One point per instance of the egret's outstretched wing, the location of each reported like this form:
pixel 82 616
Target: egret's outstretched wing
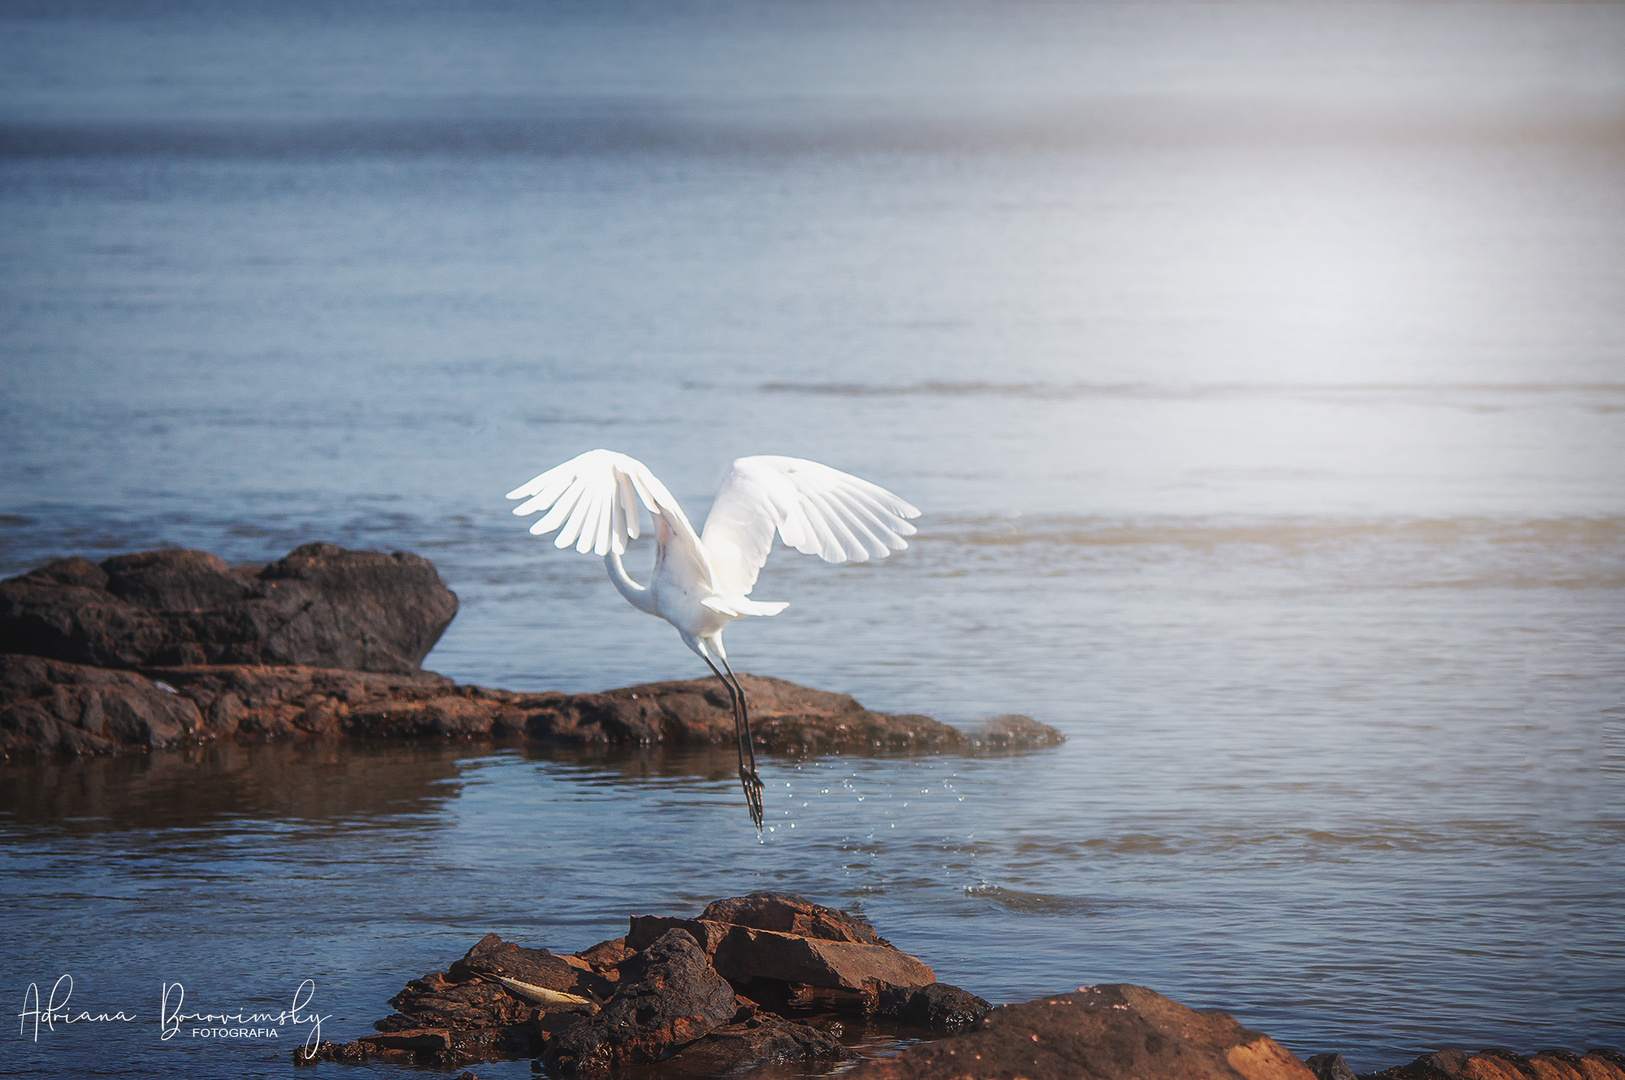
pixel 816 509
pixel 593 501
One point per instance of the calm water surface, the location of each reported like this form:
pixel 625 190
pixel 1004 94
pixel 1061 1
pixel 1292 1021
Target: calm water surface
pixel 1260 372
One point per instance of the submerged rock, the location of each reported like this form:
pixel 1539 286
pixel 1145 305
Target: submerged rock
pixel 1114 1032
pixel 760 1040
pixel 319 605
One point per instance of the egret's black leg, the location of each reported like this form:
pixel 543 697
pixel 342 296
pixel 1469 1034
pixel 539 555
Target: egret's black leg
pixel 747 749
pixel 751 782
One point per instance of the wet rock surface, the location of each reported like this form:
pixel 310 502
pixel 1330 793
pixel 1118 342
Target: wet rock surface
pixel 320 605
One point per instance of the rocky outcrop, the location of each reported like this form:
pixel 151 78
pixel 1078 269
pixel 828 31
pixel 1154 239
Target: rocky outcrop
pixel 658 996
pixel 320 606
pixel 1113 1032
pixel 727 991
pixel 50 706
pixel 326 643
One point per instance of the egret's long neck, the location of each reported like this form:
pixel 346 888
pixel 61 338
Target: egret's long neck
pixel 637 595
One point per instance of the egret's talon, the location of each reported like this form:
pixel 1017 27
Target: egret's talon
pixel 753 795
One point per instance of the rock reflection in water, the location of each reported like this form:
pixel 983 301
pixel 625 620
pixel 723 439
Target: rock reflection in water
pixel 205 785
pixel 326 781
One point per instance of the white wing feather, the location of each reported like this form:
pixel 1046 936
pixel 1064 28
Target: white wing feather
pixel 816 509
pixel 593 501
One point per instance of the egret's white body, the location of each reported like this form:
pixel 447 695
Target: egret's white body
pixel 702 581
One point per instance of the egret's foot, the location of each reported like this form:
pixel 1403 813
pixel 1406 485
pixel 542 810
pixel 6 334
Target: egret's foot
pixel 753 794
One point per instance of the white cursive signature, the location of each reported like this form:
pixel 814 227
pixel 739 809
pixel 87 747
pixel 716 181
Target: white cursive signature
pixel 56 1011
pixel 171 1016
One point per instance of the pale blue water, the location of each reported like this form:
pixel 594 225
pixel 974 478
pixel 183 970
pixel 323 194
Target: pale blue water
pixel 1260 372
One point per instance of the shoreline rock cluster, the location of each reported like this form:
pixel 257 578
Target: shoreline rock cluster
pixel 749 981
pixel 756 984
pixel 165 649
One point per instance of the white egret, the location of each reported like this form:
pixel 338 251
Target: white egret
pixel 702 582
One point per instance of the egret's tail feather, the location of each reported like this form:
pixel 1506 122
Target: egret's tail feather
pixel 739 606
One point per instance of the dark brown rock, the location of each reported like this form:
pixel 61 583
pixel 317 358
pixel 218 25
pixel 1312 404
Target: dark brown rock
pixel 1438 1065
pixel 1496 1064
pixel 351 1053
pixel 606 957
pixel 1329 1067
pixel 320 606
pixel 245 645
pixel 262 702
pixel 791 914
pixel 472 995
pixel 423 1039
pixel 492 956
pixel 784 717
pixel 435 1002
pixel 174 580
pixel 866 970
pixel 808 971
pixel 50 706
pixel 939 1006
pixel 669 996
pixel 1110 1032
pixel 758 1041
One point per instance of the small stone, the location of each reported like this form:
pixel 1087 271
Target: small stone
pixel 1330 1067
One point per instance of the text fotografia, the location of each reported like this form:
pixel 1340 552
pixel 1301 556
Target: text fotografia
pixel 174 1019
